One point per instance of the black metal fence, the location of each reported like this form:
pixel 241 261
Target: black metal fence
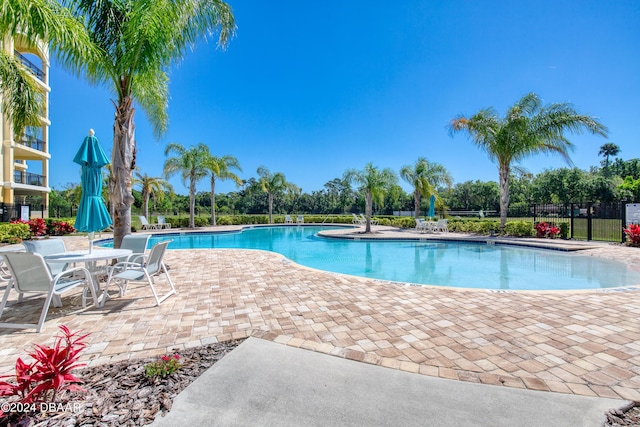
pixel 10 212
pixel 586 221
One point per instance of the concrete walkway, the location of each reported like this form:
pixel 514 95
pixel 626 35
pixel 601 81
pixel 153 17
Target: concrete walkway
pixel 261 383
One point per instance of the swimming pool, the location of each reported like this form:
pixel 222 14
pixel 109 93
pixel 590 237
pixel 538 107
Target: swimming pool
pixel 453 264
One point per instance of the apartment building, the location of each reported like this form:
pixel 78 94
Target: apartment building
pixel 24 159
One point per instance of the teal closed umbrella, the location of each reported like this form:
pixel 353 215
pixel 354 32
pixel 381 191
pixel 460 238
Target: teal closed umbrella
pixel 432 206
pixel 92 214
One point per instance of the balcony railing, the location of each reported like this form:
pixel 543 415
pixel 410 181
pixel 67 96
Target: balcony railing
pixel 32 142
pixel 30 65
pixel 28 178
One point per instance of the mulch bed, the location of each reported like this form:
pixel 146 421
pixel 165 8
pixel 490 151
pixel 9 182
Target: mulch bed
pixel 119 394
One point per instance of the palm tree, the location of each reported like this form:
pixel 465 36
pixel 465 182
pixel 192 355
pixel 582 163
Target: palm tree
pixel 35 21
pixel 191 163
pixel 150 187
pixel 221 168
pixel 272 184
pixel 22 100
pixel 375 183
pixel 424 176
pixel 528 128
pixel 128 47
pixel 607 150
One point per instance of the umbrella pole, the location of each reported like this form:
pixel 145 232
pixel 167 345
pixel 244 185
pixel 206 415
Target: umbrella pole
pixel 91 242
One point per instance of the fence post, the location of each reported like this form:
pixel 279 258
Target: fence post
pixel 534 214
pixel 589 227
pixel 571 221
pixel 623 215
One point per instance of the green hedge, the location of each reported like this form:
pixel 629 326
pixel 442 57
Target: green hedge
pixel 519 229
pixel 14 233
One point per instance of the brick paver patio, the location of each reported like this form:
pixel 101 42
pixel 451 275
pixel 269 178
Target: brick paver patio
pixel 580 342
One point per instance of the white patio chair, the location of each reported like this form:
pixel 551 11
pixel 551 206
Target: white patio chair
pixel 421 225
pixel 30 273
pixel 146 225
pixel 162 223
pixel 46 247
pixel 287 219
pixel 441 225
pixel 124 272
pixel 137 243
pixel 300 219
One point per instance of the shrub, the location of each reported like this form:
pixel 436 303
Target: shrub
pixel 633 234
pixel 518 229
pixel 14 232
pixel 471 225
pixel 60 228
pixel 544 229
pixel 564 230
pixel 49 373
pixel 38 226
pixel 164 367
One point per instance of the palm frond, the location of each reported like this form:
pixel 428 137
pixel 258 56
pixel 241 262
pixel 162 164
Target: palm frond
pixel 23 101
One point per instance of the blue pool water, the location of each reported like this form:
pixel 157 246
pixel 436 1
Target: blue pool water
pixel 454 264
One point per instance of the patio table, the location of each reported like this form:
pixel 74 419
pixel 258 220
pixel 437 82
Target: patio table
pixel 89 259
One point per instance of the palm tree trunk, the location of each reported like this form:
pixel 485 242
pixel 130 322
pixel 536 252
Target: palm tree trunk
pixel 504 195
pixel 192 202
pixel 368 209
pixel 270 208
pixel 123 161
pixel 416 204
pixel 213 201
pixel 145 205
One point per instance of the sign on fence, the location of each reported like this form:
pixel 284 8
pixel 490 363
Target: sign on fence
pixel 24 212
pixel 633 213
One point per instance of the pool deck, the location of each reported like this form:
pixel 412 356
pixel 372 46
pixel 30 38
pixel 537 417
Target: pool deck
pixel 577 342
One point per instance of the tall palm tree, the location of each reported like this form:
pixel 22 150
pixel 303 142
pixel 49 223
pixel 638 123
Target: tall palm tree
pixel 221 168
pixel 127 46
pixel 528 128
pixel 424 176
pixel 375 183
pixel 150 187
pixel 607 150
pixel 272 184
pixel 191 164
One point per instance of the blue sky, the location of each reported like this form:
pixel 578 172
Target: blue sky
pixel 311 89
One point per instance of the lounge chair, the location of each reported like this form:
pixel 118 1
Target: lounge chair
pixel 30 273
pixel 146 225
pixel 300 219
pixel 162 223
pixel 124 272
pixel 357 220
pixel 373 221
pixel 287 219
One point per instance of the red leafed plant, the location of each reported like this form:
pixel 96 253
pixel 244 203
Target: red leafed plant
pixel 38 226
pixel 633 234
pixel 61 228
pixel 49 373
pixel 546 230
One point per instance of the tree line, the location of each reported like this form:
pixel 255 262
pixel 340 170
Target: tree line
pixel 619 180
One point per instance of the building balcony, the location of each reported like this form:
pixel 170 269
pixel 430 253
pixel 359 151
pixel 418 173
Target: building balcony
pixel 35 70
pixel 28 178
pixel 32 142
